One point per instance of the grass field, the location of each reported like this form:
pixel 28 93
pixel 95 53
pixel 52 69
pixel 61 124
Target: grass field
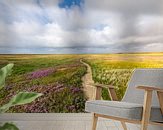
pixel 58 77
pixel 116 69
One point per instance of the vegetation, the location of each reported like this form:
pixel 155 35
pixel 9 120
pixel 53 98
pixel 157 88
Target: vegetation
pixel 116 69
pixel 19 99
pixel 58 77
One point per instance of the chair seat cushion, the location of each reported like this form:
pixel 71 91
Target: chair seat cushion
pixel 131 111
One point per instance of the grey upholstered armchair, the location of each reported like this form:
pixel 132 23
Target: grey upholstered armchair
pixel 142 103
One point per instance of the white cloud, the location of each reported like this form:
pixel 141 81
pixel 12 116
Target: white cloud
pixel 109 23
pixel 66 28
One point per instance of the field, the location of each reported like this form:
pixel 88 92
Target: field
pixel 116 69
pixel 59 77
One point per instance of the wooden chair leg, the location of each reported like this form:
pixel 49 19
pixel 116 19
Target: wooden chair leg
pixel 124 125
pixel 94 122
pixel 98 93
pixel 160 98
pixel 146 110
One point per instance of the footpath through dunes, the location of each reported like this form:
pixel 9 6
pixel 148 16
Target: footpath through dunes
pixel 87 80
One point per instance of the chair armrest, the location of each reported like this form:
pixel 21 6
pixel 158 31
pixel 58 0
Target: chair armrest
pixel 111 90
pixel 149 88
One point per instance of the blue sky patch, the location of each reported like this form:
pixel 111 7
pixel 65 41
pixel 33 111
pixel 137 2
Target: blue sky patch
pixel 70 3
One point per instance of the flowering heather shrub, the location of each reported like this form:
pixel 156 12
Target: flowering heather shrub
pixel 38 106
pixel 77 104
pixel 60 86
pixel 71 107
pixel 40 73
pixel 7 88
pixel 75 90
pixel 46 89
pixel 56 98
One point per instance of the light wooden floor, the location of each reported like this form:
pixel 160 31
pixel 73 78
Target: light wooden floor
pixel 56 121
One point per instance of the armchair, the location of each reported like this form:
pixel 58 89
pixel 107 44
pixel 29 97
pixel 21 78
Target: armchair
pixel 137 106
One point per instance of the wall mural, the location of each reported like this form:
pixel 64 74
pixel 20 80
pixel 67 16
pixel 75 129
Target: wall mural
pixel 60 47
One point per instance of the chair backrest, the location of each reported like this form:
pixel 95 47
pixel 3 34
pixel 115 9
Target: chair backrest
pixel 146 77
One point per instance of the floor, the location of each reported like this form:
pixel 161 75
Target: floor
pixel 57 121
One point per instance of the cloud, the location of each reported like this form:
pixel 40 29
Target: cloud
pixel 122 26
pixel 141 23
pixel 130 10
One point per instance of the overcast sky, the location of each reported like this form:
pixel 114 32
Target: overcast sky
pixel 81 26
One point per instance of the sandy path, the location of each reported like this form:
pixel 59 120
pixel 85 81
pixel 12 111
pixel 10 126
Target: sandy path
pixel 87 79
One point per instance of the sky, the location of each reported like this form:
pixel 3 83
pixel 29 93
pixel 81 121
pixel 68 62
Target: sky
pixel 80 26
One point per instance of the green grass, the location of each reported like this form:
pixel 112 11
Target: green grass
pixel 68 72
pixel 62 88
pixel 116 69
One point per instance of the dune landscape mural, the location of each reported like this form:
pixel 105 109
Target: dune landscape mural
pixel 60 47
